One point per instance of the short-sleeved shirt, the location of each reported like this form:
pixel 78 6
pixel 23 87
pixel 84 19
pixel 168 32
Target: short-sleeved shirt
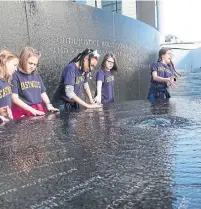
pixel 72 76
pixel 163 70
pixel 5 94
pixel 29 87
pixel 107 78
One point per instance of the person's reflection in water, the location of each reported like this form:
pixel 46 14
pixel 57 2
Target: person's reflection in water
pixel 90 123
pixel 89 131
pixel 161 107
pixel 78 134
pixel 28 147
pixel 104 121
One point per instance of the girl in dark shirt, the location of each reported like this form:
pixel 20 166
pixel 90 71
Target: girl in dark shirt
pixel 8 65
pixel 105 80
pixel 28 91
pixel 74 79
pixel 163 75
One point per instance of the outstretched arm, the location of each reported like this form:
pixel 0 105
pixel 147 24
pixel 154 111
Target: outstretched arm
pixel 47 102
pixel 88 92
pixel 99 91
pixel 158 78
pixel 16 100
pixel 69 90
pixel 169 81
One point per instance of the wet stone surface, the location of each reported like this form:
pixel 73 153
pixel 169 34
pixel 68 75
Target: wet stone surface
pixel 62 29
pixel 125 156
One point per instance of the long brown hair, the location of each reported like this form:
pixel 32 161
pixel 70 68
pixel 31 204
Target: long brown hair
pixel 4 57
pixel 107 56
pixel 162 52
pixel 25 54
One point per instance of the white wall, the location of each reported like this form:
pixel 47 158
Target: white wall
pixel 187 59
pixel 196 58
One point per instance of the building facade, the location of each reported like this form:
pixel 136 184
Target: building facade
pixel 144 11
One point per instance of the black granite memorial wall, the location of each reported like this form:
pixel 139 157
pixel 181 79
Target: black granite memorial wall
pixel 61 29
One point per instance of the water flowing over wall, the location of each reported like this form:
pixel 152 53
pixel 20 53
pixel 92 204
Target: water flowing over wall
pixel 61 29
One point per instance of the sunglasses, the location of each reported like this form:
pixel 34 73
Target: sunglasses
pixel 111 62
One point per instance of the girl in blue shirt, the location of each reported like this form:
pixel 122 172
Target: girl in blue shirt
pixel 163 75
pixel 29 95
pixel 8 65
pixel 74 79
pixel 105 80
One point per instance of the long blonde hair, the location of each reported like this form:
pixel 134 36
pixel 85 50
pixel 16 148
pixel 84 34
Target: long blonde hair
pixel 4 57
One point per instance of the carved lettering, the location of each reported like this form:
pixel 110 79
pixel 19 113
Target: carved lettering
pixel 72 46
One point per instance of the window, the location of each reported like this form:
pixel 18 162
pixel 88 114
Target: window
pixel 80 1
pixel 112 6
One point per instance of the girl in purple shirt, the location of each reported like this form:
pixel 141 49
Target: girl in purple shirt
pixel 163 75
pixel 28 91
pixel 8 65
pixel 105 80
pixel 74 79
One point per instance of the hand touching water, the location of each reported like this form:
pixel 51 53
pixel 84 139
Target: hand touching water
pixel 5 114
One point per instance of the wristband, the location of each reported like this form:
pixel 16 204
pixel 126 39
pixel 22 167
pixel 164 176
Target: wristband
pixel 49 106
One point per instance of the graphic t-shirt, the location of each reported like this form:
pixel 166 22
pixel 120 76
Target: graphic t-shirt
pixel 107 78
pixel 73 76
pixel 163 71
pixel 29 87
pixel 5 94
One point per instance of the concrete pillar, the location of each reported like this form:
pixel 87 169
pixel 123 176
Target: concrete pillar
pixel 94 3
pixel 98 3
pixel 160 15
pixel 129 8
pixel 146 12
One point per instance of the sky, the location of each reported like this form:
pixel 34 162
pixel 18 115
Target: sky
pixel 183 19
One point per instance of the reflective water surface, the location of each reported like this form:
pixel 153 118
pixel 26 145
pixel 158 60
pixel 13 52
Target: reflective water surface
pixel 127 155
pixel 130 155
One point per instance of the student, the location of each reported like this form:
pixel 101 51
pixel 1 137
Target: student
pixel 74 79
pixel 162 76
pixel 28 91
pixel 105 80
pixel 8 65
